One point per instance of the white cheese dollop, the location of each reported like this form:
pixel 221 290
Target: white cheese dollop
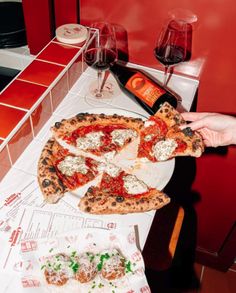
pixel 163 149
pixel 71 164
pixel 120 136
pixel 148 137
pixel 148 123
pixel 91 140
pixel 110 169
pixel 133 185
pixel 109 156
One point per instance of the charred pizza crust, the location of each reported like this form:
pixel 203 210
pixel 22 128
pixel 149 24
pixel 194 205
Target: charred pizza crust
pixel 66 126
pixel 50 184
pixel 97 201
pixel 170 115
pixel 192 139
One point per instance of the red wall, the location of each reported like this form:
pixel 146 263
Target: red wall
pixel 213 63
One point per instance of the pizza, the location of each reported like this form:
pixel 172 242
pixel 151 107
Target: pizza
pixel 121 193
pixel 87 147
pixel 97 133
pixel 60 171
pixel 162 138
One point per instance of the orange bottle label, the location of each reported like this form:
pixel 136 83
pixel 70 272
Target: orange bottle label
pixel 144 88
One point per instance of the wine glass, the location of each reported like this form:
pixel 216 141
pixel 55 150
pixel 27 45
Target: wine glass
pixel 100 53
pixel 171 45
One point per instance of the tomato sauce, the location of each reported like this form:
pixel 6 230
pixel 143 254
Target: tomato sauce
pixel 115 186
pixel 106 140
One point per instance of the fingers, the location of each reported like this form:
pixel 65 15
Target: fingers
pixel 195 125
pixel 192 116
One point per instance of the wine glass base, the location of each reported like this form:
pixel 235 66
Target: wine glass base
pixel 105 97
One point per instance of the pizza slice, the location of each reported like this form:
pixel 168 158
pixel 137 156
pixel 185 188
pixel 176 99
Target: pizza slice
pixel 97 134
pixel 162 138
pixel 121 193
pixel 60 171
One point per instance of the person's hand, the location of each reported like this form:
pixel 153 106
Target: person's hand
pixel 216 129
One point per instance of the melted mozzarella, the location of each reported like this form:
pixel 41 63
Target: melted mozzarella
pixel 109 156
pixel 110 169
pixel 71 164
pixel 148 123
pixel 148 137
pixel 120 136
pixel 91 140
pixel 133 185
pixel 163 149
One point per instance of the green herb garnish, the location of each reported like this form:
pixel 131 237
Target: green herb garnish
pixel 74 266
pixel 73 253
pixel 103 257
pixel 100 285
pixel 57 267
pixel 128 267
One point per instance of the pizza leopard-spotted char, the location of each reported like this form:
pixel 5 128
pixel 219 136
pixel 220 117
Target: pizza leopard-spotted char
pixel 86 145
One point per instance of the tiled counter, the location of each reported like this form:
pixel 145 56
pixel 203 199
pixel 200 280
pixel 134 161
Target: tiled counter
pixel 30 99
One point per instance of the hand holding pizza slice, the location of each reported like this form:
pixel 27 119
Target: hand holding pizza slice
pixel 162 138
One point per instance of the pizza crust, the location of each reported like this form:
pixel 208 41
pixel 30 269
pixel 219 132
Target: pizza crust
pixel 51 186
pixel 170 115
pixel 66 126
pixel 96 201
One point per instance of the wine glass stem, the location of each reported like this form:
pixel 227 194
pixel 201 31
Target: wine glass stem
pixel 99 89
pixel 165 75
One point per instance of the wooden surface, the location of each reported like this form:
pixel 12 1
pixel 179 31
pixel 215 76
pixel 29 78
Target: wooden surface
pixel 163 237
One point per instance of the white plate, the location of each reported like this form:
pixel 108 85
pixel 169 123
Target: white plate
pixel 153 174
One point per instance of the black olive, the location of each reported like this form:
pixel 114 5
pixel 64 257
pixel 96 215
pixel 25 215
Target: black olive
pixel 188 131
pixel 52 169
pixel 58 125
pixel 120 199
pixel 46 183
pixel 90 189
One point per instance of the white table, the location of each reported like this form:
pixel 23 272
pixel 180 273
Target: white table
pixel 21 181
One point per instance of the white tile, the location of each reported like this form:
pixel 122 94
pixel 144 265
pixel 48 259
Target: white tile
pixel 28 161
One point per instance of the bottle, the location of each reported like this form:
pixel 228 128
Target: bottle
pixel 140 86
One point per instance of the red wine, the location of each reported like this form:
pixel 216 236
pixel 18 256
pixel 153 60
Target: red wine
pixel 170 54
pixel 140 86
pixel 99 58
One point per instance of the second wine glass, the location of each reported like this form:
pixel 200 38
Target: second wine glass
pixel 99 54
pixel 171 45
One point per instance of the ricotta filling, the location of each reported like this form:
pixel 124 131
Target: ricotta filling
pixel 120 136
pixel 133 185
pixel 72 164
pixel 110 169
pixel 91 140
pixel 163 149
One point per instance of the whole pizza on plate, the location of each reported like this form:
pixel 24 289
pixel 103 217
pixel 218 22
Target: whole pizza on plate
pixel 112 148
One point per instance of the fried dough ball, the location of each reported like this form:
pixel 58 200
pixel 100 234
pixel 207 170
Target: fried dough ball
pixel 113 265
pixel 57 270
pixel 87 269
